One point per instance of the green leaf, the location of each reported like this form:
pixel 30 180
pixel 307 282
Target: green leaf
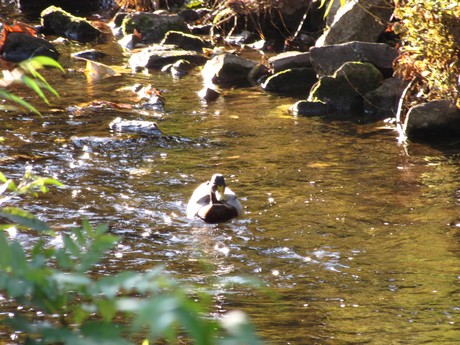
pixel 19 101
pixel 24 219
pixel 34 85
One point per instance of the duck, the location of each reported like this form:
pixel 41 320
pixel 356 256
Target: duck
pixel 213 202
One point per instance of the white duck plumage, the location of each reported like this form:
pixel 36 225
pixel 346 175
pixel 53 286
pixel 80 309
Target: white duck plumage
pixel 214 202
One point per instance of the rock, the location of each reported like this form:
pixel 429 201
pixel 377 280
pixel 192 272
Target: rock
pixel 185 41
pixel 202 29
pixel 157 56
pixel 383 101
pixel 90 54
pixel 332 12
pixel 360 20
pixel 345 89
pixel 151 97
pixel 59 22
pixel 433 120
pixel 149 128
pixel 308 108
pixel 20 46
pixel 208 94
pixel 291 81
pixel 178 69
pixel 287 60
pixel 327 59
pixel 240 38
pixel 130 41
pixel 152 27
pixel 228 70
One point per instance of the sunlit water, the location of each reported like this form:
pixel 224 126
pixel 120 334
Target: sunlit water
pixel 356 235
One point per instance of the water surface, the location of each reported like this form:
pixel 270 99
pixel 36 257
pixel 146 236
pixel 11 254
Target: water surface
pixel 356 234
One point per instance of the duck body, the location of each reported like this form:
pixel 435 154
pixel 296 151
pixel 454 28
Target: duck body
pixel 213 202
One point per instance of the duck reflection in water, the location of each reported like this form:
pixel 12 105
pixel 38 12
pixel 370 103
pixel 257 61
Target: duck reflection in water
pixel 213 202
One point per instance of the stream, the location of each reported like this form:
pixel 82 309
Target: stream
pixel 356 234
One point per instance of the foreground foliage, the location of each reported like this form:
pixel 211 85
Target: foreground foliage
pixel 430 51
pixel 27 73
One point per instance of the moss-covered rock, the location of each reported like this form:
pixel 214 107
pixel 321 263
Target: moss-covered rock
pixel 345 89
pixel 59 22
pixel 152 27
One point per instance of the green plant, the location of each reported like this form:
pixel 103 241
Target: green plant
pixel 430 47
pixel 27 73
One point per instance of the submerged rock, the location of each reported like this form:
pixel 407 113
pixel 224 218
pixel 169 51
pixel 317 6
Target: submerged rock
pixel 21 46
pixel 149 128
pixel 345 89
pixel 157 56
pixel 438 120
pixel 208 94
pixel 59 22
pixel 307 108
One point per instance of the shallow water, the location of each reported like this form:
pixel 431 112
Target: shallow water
pixel 356 234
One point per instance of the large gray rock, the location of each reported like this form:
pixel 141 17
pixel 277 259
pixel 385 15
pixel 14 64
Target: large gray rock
pixel 437 120
pixel 327 59
pixel 152 27
pixel 360 20
pixel 157 56
pixel 345 89
pixel 291 81
pixel 288 60
pixel 228 70
pixel 383 101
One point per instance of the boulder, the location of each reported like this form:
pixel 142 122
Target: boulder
pixel 185 41
pixel 345 89
pixel 152 27
pixel 291 81
pixel 360 20
pixel 228 70
pixel 56 21
pixel 327 59
pixel 383 101
pixel 287 60
pixel 21 46
pixel 157 56
pixel 434 120
pixel 310 108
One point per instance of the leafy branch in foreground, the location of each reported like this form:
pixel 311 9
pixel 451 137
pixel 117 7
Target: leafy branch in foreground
pixel 35 81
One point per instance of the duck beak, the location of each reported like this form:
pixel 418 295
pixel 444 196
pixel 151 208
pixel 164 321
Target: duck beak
pixel 220 193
